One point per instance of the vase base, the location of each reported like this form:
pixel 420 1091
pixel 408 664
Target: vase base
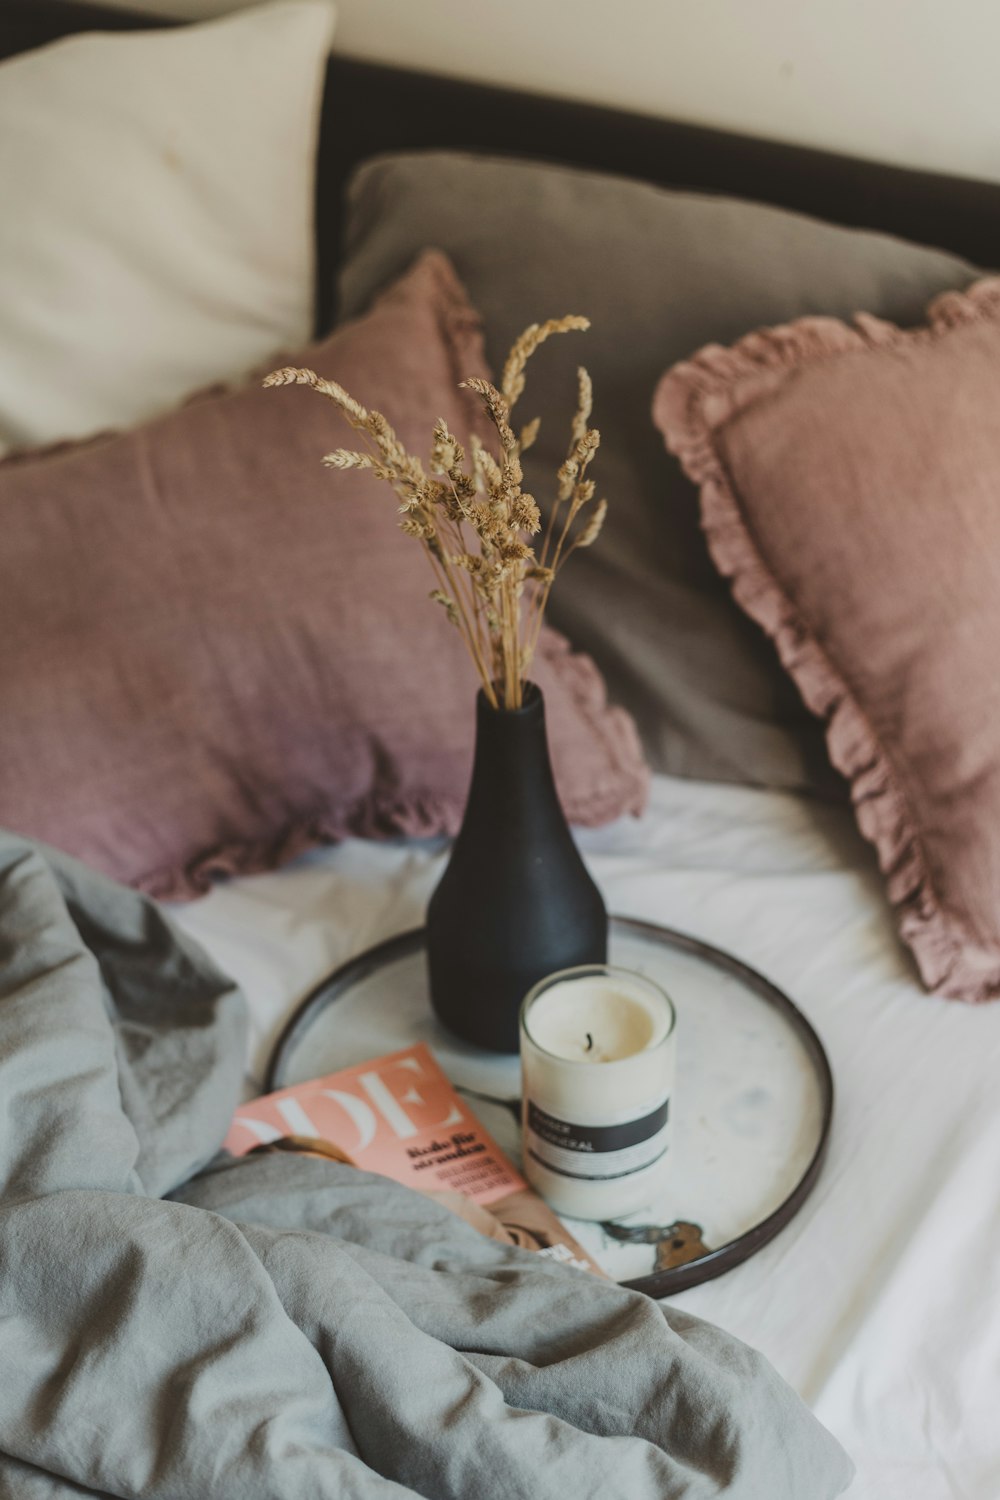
pixel 482 1006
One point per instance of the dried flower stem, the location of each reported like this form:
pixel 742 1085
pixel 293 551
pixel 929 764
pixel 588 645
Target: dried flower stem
pixel 495 593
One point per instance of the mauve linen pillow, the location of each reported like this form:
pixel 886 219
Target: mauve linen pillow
pixel 217 653
pixel 659 273
pixel 850 489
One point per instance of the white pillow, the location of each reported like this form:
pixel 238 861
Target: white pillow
pixel 156 214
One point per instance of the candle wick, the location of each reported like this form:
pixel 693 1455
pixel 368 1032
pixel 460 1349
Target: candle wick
pixel 590 1040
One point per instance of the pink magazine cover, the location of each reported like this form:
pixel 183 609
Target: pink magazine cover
pixel 400 1116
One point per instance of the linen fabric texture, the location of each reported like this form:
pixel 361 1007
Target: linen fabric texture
pixel 157 224
pixel 276 1328
pixel 217 653
pixel 659 274
pixel 849 479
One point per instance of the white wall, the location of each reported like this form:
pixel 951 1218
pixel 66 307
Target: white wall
pixel 910 81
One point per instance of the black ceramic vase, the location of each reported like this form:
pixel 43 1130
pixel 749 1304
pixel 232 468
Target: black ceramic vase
pixel 515 902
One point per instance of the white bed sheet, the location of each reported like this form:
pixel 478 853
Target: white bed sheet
pixel 880 1303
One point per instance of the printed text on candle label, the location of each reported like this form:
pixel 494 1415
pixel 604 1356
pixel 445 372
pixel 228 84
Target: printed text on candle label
pixel 596 1151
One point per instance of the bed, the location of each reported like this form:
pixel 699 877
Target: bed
pixel 879 1302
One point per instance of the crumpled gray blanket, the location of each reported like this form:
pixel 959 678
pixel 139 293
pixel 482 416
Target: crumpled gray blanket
pixel 177 1324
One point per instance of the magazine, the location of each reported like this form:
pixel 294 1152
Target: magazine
pixel 399 1115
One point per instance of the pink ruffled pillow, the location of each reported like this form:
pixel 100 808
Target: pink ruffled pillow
pixel 216 653
pixel 850 489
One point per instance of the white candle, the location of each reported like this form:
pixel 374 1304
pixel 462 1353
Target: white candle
pixel 597 1064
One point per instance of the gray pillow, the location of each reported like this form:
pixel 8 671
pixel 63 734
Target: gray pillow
pixel 659 274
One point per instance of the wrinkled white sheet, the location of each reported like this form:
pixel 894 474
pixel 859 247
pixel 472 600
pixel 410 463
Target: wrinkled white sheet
pixel 881 1302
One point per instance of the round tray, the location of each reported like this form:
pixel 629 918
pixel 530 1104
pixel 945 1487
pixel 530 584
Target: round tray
pixel 754 1093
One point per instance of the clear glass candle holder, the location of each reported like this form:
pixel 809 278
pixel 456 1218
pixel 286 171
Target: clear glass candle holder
pixel 597 1068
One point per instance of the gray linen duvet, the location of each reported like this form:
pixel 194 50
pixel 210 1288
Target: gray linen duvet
pixel 176 1324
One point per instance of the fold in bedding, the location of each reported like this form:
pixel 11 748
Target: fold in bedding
pixel 174 1322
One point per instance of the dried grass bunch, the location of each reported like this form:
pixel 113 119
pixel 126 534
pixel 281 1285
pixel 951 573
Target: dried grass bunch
pixel 494 589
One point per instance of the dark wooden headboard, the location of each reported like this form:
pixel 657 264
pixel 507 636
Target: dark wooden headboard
pixel 371 109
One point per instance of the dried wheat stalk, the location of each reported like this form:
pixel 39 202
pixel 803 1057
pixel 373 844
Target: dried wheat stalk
pixel 493 589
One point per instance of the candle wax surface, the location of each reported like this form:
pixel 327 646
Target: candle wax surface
pixel 596 1019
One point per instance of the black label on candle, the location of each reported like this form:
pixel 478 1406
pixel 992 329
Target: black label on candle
pixel 596 1151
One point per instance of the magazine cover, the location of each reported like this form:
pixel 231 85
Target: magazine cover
pixel 399 1115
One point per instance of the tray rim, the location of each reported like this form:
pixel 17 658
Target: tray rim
pixel 658 1283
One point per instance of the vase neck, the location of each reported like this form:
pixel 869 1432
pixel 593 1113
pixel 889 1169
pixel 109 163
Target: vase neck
pixel 512 774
